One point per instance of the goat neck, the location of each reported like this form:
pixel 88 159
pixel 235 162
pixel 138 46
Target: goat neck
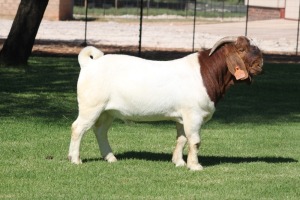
pixel 215 74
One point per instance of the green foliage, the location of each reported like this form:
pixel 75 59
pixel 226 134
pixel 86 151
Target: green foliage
pixel 250 149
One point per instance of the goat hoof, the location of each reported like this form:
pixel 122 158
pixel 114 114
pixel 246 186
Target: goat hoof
pixel 110 158
pixel 195 167
pixel 179 163
pixel 74 161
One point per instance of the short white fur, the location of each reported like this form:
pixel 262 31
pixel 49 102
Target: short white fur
pixel 131 88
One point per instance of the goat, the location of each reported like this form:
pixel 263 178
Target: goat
pixel 184 90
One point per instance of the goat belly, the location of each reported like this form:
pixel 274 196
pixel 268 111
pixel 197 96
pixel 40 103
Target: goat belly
pixel 142 90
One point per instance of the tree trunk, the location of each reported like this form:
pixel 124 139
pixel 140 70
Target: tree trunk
pixel 18 45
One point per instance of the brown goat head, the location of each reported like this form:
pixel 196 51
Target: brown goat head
pixel 243 59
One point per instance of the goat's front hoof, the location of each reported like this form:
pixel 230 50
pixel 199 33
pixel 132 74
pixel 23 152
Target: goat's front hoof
pixel 179 163
pixel 74 161
pixel 110 158
pixel 195 167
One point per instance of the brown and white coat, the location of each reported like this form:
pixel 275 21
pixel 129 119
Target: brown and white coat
pixel 185 90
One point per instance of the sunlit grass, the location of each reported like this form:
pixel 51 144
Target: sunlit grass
pixel 134 11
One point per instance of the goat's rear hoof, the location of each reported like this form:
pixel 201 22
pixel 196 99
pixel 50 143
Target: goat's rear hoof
pixel 110 158
pixel 195 167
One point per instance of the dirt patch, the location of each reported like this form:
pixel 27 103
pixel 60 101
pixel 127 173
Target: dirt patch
pixel 54 48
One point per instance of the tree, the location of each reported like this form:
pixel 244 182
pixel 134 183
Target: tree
pixel 18 45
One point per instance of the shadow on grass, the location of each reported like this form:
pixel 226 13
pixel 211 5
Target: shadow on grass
pixel 272 97
pixel 204 160
pixel 47 91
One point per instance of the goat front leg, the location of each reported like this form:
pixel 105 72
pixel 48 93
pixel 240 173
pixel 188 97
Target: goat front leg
pixel 177 158
pixel 192 160
pixel 192 126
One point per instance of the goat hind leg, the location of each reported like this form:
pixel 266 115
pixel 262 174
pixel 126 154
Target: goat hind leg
pixel 85 120
pixel 100 129
pixel 78 130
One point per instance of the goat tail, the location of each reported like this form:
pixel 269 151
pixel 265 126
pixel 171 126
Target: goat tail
pixel 88 54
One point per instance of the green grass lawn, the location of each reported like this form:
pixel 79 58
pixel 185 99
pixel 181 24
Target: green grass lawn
pixel 250 149
pixel 135 11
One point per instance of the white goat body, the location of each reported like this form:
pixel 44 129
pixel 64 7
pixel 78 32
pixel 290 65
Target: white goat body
pixel 131 88
pixel 185 90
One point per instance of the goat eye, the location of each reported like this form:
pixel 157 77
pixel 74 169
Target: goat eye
pixel 256 65
pixel 241 50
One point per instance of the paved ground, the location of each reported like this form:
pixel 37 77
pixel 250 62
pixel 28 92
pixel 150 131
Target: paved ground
pixel 277 36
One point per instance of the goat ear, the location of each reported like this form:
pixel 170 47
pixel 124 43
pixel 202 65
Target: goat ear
pixel 236 66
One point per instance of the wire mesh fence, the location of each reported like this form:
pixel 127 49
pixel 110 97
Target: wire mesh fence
pixel 180 23
pixel 182 11
pixel 173 24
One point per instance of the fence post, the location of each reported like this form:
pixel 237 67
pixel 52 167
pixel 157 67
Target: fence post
pixel 246 28
pixel 85 27
pixel 141 25
pixel 223 8
pixel 103 6
pixel 195 10
pixel 298 30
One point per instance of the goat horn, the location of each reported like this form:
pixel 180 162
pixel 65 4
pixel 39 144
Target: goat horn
pixel 223 41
